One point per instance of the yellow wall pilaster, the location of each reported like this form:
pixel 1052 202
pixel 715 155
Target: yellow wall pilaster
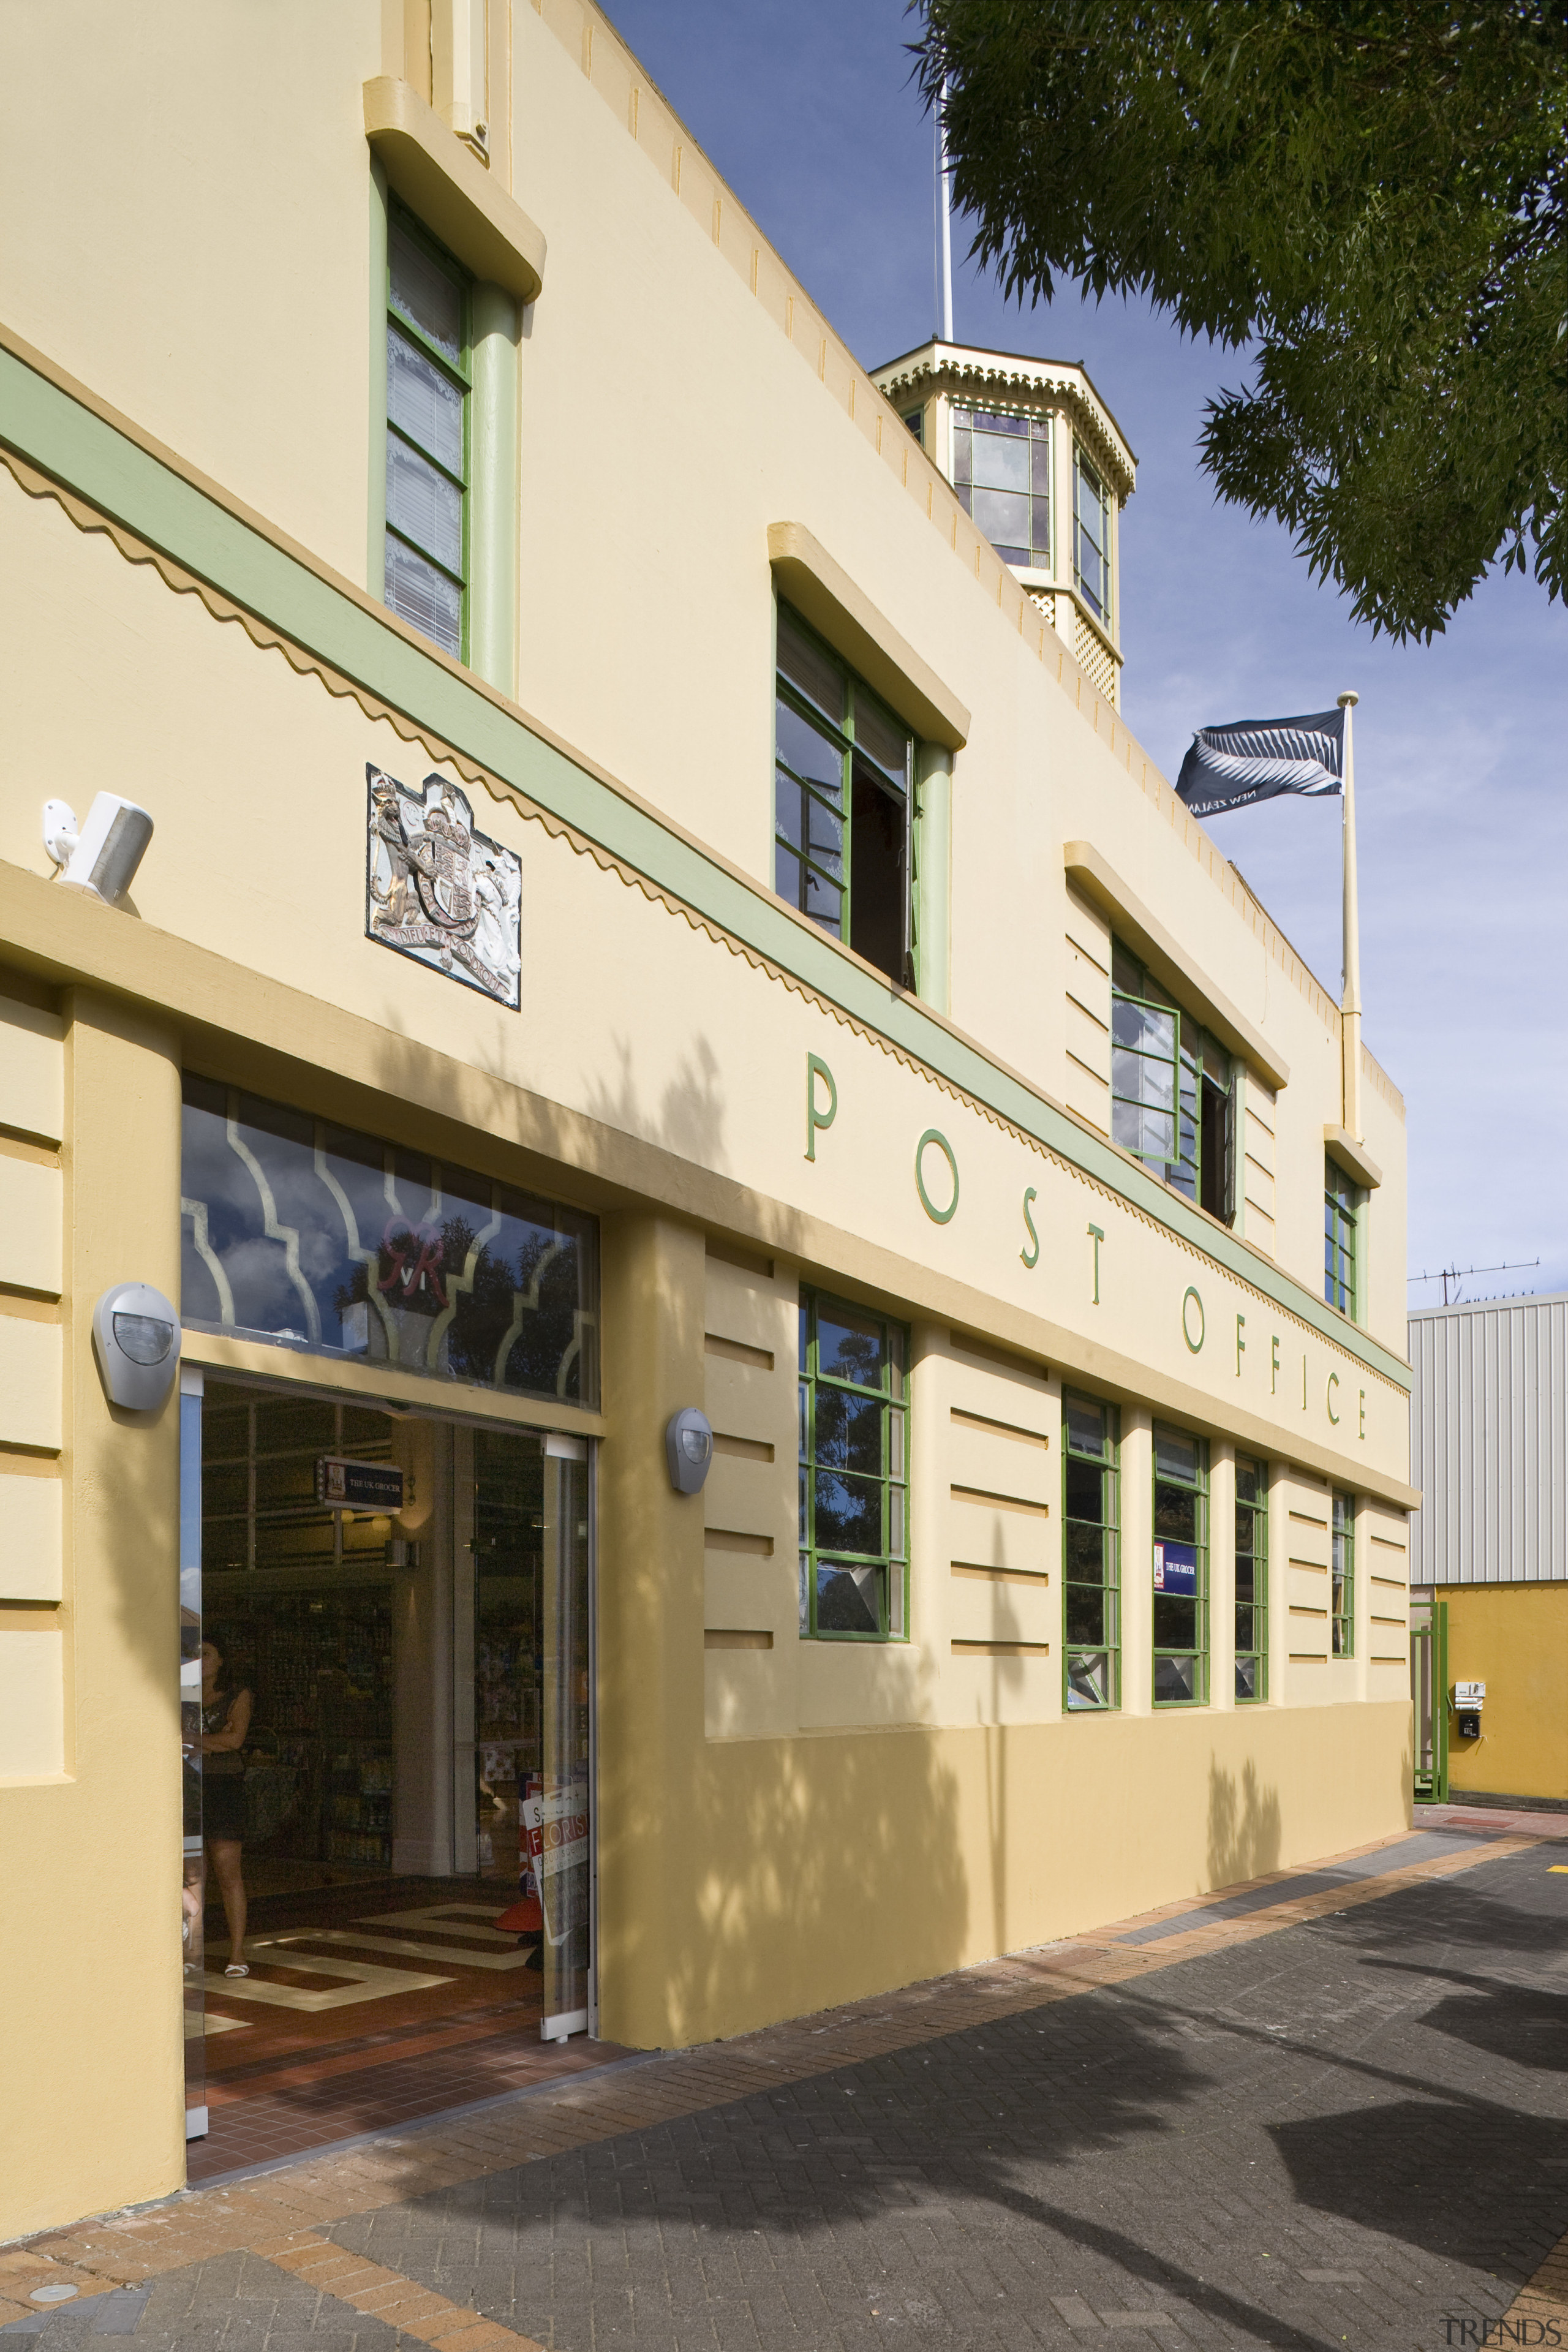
pixel 650 1645
pixel 89 1935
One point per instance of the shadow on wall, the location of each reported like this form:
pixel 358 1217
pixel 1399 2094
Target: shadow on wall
pixel 1243 1827
pixel 777 1913
pixel 689 1116
pixel 1006 1680
pixel 126 1535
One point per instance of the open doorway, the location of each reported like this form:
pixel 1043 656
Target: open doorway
pixel 393 1736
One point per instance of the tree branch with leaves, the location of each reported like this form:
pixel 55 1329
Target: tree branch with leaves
pixel 1370 201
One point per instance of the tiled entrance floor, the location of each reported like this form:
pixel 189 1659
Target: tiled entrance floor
pixel 368 2007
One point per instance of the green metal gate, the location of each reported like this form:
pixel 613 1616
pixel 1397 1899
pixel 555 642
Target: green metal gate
pixel 1429 1691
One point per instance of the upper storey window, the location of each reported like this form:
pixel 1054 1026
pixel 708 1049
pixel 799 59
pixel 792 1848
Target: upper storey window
pixel 1170 1097
pixel 1002 472
pixel 1092 536
pixel 1339 1238
pixel 842 805
pixel 428 387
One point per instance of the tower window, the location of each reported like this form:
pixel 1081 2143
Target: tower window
pixel 1092 536
pixel 1002 472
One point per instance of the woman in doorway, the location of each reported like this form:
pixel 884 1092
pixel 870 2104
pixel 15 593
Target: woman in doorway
pixel 226 1721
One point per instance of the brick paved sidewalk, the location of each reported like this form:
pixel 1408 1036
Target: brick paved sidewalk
pixel 1331 2110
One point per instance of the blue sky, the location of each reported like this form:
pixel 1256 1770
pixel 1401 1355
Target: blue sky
pixel 1461 746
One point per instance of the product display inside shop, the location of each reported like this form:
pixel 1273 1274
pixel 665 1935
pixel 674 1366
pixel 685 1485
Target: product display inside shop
pixel 385 1730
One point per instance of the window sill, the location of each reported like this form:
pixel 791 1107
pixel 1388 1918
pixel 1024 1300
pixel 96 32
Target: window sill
pixel 1153 1169
pixel 1094 878
pixel 443 182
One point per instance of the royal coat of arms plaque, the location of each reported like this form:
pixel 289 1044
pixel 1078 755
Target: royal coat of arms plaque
pixel 438 889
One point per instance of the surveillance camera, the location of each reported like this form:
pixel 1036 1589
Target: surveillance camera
pixel 136 1339
pixel 688 1446
pixel 103 856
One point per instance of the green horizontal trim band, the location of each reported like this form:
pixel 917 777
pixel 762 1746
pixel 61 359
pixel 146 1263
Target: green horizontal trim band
pixel 66 439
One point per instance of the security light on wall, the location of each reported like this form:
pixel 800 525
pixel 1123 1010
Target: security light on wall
pixel 103 857
pixel 136 1339
pixel 688 1448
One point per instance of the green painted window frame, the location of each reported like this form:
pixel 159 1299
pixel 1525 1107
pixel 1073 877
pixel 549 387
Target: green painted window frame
pixel 1081 1536
pixel 1034 432
pixel 793 700
pixel 1089 488
pixel 1252 1612
pixel 1176 1487
pixel 1341 1576
pixel 1341 1221
pixel 1138 1007
pixel 819 1396
pixel 402 222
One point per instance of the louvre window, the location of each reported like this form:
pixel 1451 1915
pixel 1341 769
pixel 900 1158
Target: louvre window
pixel 429 388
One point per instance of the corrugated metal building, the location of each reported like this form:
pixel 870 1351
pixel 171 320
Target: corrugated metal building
pixel 1489 1543
pixel 1489 1442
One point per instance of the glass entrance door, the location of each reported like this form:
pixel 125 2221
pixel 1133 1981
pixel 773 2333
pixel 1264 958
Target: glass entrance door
pixel 192 1929
pixel 558 1822
pixel 394 1845
pixel 525 1750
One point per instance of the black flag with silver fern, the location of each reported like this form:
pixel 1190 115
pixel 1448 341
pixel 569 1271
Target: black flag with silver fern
pixel 1258 758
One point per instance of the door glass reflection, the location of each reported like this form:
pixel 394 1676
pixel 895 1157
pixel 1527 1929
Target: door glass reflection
pixel 191 1908
pixel 531 1701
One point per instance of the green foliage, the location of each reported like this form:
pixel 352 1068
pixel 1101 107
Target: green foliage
pixel 1372 199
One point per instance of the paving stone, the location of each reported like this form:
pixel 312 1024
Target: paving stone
pixel 1344 2117
pixel 236 2302
pixel 1325 2119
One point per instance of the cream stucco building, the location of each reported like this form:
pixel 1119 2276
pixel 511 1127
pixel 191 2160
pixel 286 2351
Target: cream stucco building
pixel 647 908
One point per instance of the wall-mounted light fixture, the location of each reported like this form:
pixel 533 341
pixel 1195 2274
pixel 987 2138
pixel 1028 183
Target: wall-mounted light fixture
pixel 689 1447
pixel 136 1339
pixel 100 859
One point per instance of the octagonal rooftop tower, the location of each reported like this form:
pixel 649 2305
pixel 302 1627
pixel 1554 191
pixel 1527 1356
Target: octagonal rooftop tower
pixel 1040 463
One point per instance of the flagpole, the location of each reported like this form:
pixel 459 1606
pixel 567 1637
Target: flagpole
pixel 1350 1010
pixel 943 225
